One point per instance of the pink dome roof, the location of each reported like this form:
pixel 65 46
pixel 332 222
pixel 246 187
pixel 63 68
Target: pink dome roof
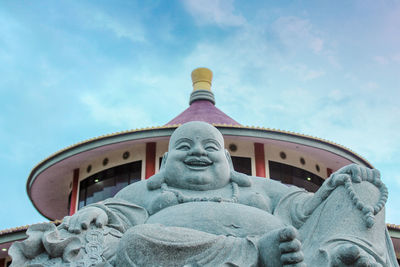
pixel 203 110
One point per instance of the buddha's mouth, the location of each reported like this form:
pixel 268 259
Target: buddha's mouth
pixel 197 164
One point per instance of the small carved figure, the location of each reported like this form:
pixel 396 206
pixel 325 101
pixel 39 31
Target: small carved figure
pixel 197 211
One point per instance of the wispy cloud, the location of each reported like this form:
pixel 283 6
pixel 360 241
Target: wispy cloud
pixel 390 59
pixel 131 29
pixel 303 72
pixel 116 116
pixel 381 60
pixel 218 12
pixel 359 123
pixel 295 31
pixel 396 57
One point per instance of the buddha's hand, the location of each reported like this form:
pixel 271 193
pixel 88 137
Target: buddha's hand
pixel 355 173
pixel 345 176
pixel 83 218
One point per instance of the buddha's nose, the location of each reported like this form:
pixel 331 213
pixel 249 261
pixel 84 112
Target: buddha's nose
pixel 198 150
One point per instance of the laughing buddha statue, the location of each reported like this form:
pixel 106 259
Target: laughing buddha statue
pixel 198 211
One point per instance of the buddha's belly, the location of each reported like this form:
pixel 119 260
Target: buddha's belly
pixel 219 218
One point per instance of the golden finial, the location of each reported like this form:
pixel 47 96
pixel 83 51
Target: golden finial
pixel 202 78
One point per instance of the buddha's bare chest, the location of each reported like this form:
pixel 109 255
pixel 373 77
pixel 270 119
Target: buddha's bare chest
pixel 228 211
pixel 167 197
pixel 220 218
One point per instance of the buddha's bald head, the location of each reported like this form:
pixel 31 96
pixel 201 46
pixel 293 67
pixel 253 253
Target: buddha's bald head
pixel 197 159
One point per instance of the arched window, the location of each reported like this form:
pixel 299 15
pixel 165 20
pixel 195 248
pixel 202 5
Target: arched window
pixel 107 183
pixel 291 175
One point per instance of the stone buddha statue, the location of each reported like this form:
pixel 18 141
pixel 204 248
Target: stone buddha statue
pixel 198 211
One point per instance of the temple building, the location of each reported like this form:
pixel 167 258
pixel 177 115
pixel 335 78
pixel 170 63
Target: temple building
pixel 98 168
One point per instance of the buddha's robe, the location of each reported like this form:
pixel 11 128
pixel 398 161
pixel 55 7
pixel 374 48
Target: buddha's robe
pixel 226 234
pixel 156 230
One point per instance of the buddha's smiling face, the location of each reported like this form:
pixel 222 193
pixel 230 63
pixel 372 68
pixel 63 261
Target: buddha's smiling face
pixel 196 158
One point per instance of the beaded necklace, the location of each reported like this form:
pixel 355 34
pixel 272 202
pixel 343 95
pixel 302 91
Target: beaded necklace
pixel 368 211
pixel 182 198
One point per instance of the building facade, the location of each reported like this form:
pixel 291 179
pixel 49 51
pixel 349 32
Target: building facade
pixel 98 168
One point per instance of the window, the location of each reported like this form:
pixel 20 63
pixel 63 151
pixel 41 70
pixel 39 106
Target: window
pixel 107 183
pixel 294 176
pixel 242 164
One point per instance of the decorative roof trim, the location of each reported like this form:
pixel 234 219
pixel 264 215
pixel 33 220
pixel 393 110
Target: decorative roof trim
pixel 104 137
pixel 297 135
pixel 393 226
pixel 173 126
pixel 97 142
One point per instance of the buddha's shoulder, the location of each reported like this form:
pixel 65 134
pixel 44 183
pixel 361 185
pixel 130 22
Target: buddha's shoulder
pixel 133 191
pixel 261 181
pixel 267 184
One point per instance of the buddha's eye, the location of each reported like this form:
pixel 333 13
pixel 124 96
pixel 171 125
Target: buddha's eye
pixel 211 147
pixel 183 147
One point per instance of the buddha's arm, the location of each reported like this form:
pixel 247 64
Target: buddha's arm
pixel 120 212
pixel 287 202
pixel 295 205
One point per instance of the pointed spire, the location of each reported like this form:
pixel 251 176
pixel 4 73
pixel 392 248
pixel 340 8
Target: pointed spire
pixel 202 104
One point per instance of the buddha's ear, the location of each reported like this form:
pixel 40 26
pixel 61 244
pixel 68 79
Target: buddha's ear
pixel 163 161
pixel 228 157
pixel 155 181
pixel 241 179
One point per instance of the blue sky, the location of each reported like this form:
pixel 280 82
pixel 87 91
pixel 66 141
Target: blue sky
pixel 72 70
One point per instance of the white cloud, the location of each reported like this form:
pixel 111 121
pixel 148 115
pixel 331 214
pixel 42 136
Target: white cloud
pixel 360 122
pixel 249 66
pixel 303 72
pixel 396 58
pixel 317 44
pixel 219 12
pixel 116 116
pixel 298 32
pixel 381 60
pixel 132 29
pixel 371 86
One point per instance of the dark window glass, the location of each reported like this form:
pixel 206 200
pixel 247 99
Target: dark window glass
pixel 135 171
pixel 107 183
pixel 82 197
pixel 121 178
pixel 94 191
pixel 295 176
pixel 69 202
pixel 242 164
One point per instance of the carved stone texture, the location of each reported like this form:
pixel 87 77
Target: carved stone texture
pixel 197 211
pixel 55 246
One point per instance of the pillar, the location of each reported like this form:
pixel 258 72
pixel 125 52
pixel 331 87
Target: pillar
pixel 150 159
pixel 74 193
pixel 259 159
pixel 329 171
